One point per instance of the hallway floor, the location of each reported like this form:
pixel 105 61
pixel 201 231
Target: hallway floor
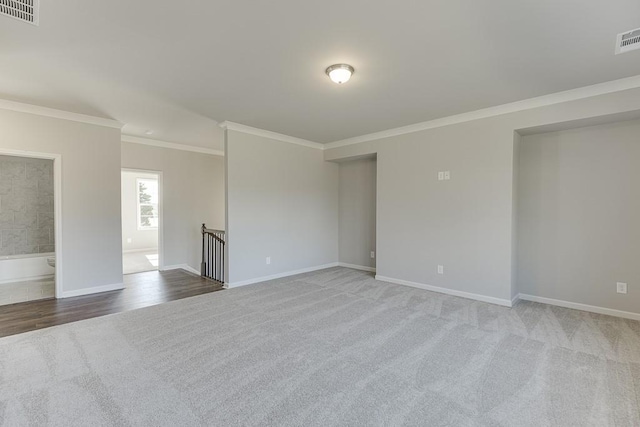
pixel 141 290
pixel 137 262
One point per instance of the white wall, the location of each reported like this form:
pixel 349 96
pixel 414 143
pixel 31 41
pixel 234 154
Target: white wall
pixel 140 239
pixel 193 193
pixel 282 202
pixel 467 223
pixel 579 205
pixel 357 226
pixel 91 236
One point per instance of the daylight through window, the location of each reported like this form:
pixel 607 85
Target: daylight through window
pixel 147 203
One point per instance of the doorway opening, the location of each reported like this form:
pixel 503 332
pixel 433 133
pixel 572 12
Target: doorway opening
pixel 141 221
pixel 30 218
pixel 357 213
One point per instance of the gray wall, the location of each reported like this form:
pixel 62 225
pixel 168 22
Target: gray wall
pixel 193 190
pixel 26 206
pixel 358 211
pixel 579 213
pixel 282 202
pixel 467 223
pixel 91 236
pixel 463 224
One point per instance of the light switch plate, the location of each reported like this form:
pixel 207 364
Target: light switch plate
pixel 621 288
pixel 440 176
pixel 441 269
pixel 447 175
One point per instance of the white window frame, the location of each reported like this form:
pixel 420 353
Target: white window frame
pixel 139 212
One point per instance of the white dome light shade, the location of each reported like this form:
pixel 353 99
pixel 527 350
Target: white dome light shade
pixel 340 73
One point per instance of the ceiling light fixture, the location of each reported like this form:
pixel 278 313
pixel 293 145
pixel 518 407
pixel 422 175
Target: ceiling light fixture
pixel 340 73
pixel 149 132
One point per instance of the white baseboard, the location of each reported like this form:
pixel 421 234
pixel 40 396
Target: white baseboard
pixel 583 307
pixel 132 251
pixel 357 267
pixel 27 279
pixel 279 275
pixel 514 300
pixel 468 295
pixel 181 267
pixel 94 290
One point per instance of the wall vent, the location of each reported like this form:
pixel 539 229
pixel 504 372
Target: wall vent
pixel 24 10
pixel 627 41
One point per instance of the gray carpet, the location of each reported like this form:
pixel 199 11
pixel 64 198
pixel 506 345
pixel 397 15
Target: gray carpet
pixel 333 347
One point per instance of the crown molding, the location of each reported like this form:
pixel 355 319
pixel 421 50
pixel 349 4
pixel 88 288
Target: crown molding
pixel 271 135
pixel 513 107
pixel 58 114
pixel 170 145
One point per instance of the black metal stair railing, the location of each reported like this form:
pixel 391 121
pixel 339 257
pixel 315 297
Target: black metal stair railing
pixel 212 266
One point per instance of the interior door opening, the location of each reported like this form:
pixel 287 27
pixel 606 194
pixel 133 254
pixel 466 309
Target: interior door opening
pixel 29 226
pixel 141 221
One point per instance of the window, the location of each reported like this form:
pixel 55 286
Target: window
pixel 147 203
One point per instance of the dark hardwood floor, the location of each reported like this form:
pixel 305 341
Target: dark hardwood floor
pixel 141 290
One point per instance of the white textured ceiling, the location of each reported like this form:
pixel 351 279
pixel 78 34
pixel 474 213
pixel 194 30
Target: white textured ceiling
pixel 180 67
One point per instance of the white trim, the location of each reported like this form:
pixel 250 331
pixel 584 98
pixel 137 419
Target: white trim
pixel 513 107
pixel 58 114
pixel 26 256
pixel 160 219
pixel 132 251
pixel 582 307
pixel 57 206
pixel 170 145
pixel 57 203
pixel 26 279
pixel 477 297
pixel 94 290
pixel 181 267
pixel 357 267
pixel 514 300
pixel 271 135
pixel 279 275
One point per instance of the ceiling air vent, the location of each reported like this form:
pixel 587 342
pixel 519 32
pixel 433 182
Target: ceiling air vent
pixel 24 10
pixel 627 41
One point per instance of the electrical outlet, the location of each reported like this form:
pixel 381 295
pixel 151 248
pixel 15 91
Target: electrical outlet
pixel 447 175
pixel 441 269
pixel 621 287
pixel 268 260
pixel 373 254
pixel 440 176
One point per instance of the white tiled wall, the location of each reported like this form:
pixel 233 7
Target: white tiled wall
pixel 12 293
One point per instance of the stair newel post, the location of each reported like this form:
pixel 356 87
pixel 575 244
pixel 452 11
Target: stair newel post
pixel 203 264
